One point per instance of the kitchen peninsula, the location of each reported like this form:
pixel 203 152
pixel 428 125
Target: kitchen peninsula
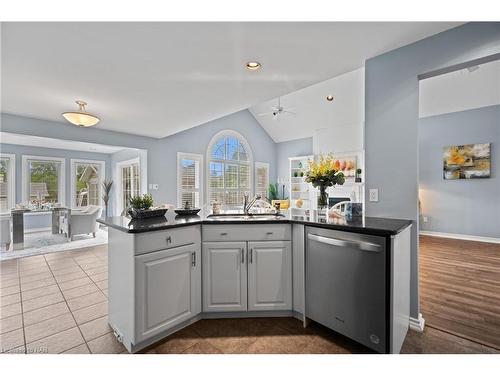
pixel 166 273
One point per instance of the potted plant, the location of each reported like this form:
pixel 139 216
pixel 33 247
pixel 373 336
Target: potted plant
pixel 106 186
pixel 141 207
pixel 273 192
pixel 323 174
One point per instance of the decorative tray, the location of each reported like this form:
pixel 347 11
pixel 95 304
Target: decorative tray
pixel 187 211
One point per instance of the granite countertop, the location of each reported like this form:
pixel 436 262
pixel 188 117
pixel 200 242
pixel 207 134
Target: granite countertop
pixel 366 225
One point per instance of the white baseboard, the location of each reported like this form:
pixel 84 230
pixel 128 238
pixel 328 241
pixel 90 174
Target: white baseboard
pixel 457 236
pixel 417 324
pixel 34 230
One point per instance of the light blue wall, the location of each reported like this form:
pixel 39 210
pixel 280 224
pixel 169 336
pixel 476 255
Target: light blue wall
pixel 161 153
pixel 43 221
pixel 391 119
pixel 285 150
pixel 469 207
pixel 163 167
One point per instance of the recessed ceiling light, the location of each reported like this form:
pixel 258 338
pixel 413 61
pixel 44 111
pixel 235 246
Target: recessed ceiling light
pixel 81 117
pixel 253 65
pixel 329 98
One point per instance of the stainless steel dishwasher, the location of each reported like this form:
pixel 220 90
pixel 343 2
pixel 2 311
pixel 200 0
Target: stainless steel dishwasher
pixel 346 284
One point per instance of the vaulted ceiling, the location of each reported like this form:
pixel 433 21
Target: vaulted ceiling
pixel 156 79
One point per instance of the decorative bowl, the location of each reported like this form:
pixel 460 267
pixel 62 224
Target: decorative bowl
pixel 145 214
pixel 187 211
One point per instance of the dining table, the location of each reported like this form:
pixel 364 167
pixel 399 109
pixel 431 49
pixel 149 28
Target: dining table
pixel 18 215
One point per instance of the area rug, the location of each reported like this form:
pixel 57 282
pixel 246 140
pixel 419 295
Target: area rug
pixel 45 242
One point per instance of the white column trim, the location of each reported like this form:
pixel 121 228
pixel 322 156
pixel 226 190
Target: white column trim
pixel 11 198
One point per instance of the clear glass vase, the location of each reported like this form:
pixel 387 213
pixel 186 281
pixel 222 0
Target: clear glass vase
pixel 322 201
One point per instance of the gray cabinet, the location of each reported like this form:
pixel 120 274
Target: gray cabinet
pixel 168 285
pixel 269 275
pixel 224 276
pixel 154 283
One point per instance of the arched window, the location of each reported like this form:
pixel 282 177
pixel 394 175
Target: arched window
pixel 229 169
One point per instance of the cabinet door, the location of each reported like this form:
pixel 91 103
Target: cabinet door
pixel 269 275
pixel 224 276
pixel 168 289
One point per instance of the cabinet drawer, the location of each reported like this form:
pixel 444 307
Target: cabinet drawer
pixel 166 239
pixel 245 232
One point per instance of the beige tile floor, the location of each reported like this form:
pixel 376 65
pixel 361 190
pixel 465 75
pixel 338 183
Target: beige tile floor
pixel 57 303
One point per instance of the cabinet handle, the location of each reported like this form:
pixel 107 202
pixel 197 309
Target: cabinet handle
pixel 223 234
pixel 251 255
pixel 269 233
pixel 193 259
pixel 242 255
pixel 169 240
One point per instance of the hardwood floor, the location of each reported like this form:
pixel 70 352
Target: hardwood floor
pixel 460 288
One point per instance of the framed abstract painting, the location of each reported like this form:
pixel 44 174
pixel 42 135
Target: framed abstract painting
pixel 467 161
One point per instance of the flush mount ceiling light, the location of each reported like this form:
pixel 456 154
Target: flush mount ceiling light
pixel 81 117
pixel 253 65
pixel 329 98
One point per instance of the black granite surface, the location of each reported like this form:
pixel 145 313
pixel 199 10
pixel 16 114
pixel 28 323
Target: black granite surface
pixel 365 225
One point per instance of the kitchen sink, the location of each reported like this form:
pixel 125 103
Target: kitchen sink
pixel 229 217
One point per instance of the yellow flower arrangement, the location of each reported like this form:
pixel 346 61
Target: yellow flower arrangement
pixel 323 173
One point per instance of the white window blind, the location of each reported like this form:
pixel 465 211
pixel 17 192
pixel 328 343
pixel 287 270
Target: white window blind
pixel 189 175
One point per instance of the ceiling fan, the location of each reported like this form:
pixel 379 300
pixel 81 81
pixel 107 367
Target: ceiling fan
pixel 278 111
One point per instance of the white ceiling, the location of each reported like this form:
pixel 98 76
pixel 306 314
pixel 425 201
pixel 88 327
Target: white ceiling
pixel 32 140
pixel 156 79
pixel 460 90
pixel 312 111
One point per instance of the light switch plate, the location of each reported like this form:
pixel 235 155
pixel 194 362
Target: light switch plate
pixel 150 186
pixel 426 219
pixel 373 195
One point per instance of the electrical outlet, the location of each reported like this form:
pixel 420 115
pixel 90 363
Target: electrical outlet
pixel 426 219
pixel 373 195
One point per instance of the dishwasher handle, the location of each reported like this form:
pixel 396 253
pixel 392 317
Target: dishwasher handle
pixel 360 245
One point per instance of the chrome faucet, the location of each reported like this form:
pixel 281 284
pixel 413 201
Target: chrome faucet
pixel 248 205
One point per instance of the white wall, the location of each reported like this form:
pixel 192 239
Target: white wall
pixel 313 112
pixel 344 129
pixel 460 91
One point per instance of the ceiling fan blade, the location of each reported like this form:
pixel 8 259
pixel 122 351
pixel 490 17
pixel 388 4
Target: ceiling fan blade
pixel 264 114
pixel 291 112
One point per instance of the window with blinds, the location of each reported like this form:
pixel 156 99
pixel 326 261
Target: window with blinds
pixel 189 175
pixel 229 169
pixel 261 178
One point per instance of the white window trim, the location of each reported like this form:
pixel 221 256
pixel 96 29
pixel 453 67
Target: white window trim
pixel 187 155
pixel 61 181
pixel 117 182
pixel 102 176
pixel 257 165
pixel 228 133
pixel 11 199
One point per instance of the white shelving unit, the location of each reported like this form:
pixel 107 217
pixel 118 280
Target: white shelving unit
pixel 299 189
